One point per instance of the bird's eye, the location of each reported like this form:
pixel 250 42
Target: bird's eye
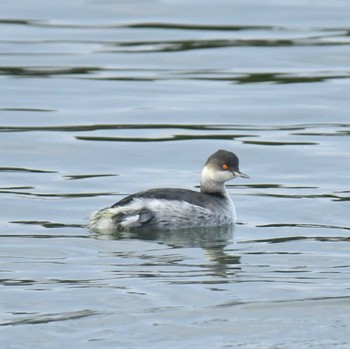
pixel 225 166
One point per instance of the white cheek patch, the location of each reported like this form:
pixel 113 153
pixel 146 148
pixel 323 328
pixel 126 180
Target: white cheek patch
pixel 209 172
pixel 224 176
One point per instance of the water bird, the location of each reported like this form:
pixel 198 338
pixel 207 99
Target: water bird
pixel 172 208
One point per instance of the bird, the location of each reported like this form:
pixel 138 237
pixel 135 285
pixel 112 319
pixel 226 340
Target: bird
pixel 175 208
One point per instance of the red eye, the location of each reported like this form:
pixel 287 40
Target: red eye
pixel 225 166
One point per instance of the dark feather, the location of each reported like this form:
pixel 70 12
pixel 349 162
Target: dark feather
pixel 190 196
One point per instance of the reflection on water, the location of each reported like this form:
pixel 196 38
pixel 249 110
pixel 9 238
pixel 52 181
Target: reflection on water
pixel 204 237
pixel 310 129
pixel 212 75
pixel 47 224
pixel 217 266
pixel 47 318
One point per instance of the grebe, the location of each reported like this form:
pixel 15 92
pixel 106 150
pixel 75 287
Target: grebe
pixel 177 208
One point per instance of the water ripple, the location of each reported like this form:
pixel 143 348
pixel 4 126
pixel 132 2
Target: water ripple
pixel 305 225
pixel 22 169
pixel 47 318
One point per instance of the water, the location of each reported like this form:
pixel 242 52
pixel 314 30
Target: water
pixel 99 99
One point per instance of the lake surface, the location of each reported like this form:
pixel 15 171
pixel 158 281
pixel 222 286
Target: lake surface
pixel 100 99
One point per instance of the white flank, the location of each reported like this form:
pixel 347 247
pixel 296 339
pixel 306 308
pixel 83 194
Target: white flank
pixel 167 213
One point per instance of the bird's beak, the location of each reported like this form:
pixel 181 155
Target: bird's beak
pixel 240 174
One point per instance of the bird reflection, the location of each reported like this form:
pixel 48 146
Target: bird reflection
pixel 204 237
pixel 212 240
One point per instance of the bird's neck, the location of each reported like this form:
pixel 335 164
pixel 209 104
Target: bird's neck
pixel 210 186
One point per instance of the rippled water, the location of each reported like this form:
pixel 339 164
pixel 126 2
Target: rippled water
pixel 100 99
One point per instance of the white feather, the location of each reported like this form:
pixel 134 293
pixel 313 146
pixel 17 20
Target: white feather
pixel 177 213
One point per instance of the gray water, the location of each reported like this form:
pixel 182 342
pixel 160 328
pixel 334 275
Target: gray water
pixel 100 99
